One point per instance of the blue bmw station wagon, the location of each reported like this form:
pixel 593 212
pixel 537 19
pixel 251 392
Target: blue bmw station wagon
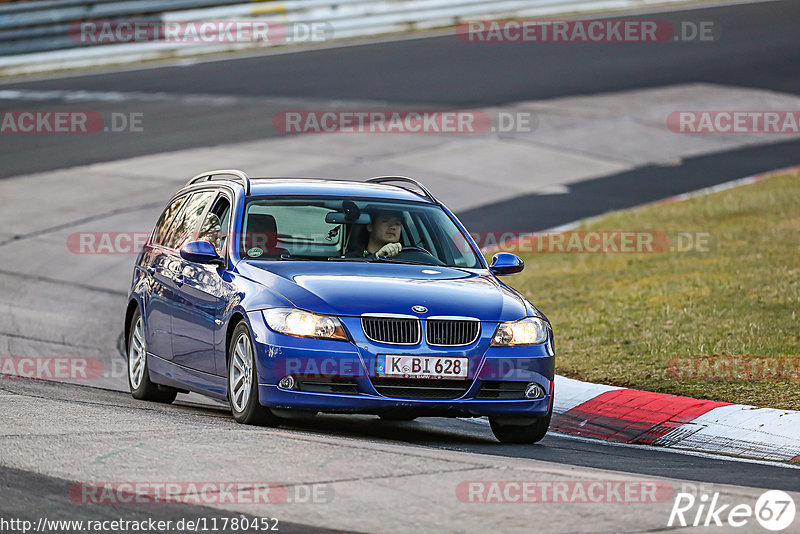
pixel 285 295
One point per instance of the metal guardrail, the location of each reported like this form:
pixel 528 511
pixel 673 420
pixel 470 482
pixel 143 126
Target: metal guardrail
pixel 39 26
pixel 28 28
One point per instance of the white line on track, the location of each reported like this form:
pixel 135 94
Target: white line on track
pixel 485 422
pixel 113 96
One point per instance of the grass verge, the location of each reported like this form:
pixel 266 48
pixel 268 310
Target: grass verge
pixel 652 321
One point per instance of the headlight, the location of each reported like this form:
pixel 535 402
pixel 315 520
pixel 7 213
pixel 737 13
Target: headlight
pixel 304 324
pixel 527 331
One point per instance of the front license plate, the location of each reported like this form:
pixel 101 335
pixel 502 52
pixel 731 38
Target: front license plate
pixel 403 366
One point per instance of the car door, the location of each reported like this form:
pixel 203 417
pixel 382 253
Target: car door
pixel 201 295
pixel 156 265
pixel 167 271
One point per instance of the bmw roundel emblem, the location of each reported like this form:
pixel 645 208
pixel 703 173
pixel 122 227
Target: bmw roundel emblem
pixel 419 309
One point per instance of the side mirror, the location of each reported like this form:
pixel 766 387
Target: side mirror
pixel 506 263
pixel 200 252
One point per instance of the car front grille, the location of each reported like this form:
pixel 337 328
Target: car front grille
pixel 346 386
pixel 502 390
pixel 394 330
pixel 452 332
pixel 421 388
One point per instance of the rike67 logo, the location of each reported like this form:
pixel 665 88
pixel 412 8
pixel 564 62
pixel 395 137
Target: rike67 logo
pixel 774 510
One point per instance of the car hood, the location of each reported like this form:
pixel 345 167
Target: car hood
pixel 356 288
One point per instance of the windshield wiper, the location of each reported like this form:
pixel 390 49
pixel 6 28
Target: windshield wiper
pixel 411 262
pixel 337 258
pixel 382 260
pixel 287 257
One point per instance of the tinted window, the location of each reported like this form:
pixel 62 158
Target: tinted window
pixel 215 226
pixel 323 228
pixel 164 222
pixel 187 222
pixel 295 227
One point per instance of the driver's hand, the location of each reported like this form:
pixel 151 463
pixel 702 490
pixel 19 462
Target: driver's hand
pixel 389 250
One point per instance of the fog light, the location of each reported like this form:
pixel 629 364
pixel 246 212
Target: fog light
pixel 534 391
pixel 287 382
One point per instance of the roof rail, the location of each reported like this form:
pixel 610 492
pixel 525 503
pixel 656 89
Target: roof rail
pixel 209 175
pixel 386 179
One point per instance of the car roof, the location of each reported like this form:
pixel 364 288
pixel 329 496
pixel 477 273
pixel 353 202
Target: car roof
pixel 328 187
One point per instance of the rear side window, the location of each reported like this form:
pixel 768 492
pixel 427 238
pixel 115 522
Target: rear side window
pixel 159 236
pixel 186 223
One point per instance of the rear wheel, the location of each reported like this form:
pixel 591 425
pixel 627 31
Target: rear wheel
pixel 243 381
pixel 516 433
pixel 138 374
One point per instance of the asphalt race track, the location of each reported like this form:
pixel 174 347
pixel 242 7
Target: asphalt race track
pixel 210 103
pixel 440 72
pixel 198 439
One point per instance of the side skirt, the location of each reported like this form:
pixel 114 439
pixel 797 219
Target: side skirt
pixel 171 374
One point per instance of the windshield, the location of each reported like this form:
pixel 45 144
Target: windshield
pixel 353 229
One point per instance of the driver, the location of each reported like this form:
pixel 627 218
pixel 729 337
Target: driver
pixel 384 235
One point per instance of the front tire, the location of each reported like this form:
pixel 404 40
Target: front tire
pixel 525 433
pixel 138 373
pixel 243 381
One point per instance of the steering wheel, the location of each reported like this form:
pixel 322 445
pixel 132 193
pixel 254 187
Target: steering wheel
pixel 415 249
pixel 410 252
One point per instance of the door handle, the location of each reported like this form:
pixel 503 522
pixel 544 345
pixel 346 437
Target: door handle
pixel 178 279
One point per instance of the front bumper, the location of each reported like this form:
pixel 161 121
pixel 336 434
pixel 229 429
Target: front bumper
pixel 354 363
pixel 275 397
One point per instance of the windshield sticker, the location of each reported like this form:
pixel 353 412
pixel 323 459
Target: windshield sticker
pixel 255 252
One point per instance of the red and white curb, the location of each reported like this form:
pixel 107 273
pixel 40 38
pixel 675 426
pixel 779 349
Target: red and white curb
pixel 642 417
pixel 646 418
